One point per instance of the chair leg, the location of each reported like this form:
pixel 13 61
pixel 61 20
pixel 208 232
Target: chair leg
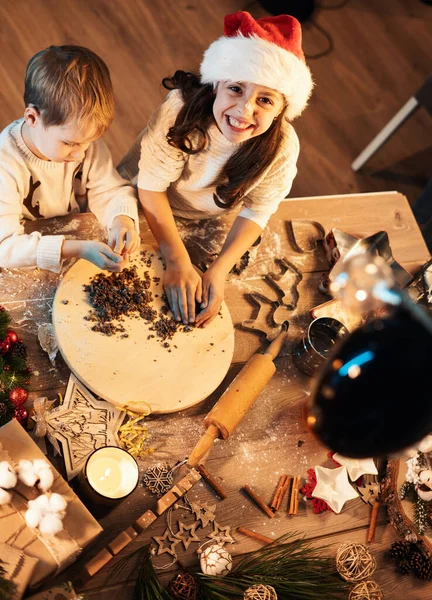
pixel 392 126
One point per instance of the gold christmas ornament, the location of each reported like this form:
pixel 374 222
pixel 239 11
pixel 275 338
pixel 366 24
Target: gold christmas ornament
pixel 260 592
pixel 366 590
pixel 215 560
pixel 354 562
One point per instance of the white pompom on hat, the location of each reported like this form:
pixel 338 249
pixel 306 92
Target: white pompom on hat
pixel 265 51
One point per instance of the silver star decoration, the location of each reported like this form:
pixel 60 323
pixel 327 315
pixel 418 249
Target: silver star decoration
pixel 203 512
pixel 158 479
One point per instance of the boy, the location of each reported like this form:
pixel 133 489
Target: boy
pixel 52 163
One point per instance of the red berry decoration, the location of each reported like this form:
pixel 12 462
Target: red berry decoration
pixel 18 396
pixel 29 370
pixel 6 368
pixel 4 346
pixel 21 414
pixel 12 336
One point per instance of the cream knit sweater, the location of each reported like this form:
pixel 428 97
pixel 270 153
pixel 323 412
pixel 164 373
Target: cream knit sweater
pixel 34 188
pixel 154 165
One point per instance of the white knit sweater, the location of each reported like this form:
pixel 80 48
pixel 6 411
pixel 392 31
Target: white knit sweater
pixel 34 188
pixel 188 179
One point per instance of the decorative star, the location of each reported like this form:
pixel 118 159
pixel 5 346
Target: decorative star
pixel 333 487
pixel 356 468
pixel 82 424
pixel 376 244
pixel 190 529
pixel 204 512
pixel 164 548
pixel 221 534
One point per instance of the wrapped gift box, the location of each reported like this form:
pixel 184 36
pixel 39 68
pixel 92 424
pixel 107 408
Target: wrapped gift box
pixel 54 553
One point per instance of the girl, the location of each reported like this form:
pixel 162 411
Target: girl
pixel 221 141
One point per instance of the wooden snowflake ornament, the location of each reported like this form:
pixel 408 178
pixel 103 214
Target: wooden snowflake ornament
pixel 158 479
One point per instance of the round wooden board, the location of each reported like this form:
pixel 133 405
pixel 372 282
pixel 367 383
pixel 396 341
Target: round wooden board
pixel 136 371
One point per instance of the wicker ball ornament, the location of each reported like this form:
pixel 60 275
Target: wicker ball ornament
pixel 260 592
pixel 354 562
pixel 215 560
pixel 366 590
pixel 183 587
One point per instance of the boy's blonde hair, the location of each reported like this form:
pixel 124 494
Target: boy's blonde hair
pixel 70 83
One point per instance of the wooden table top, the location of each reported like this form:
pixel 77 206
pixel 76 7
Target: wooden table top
pixel 271 439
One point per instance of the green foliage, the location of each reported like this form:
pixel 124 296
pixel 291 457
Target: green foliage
pixel 4 322
pixel 147 585
pixel 407 490
pixel 420 515
pixel 294 568
pixel 7 587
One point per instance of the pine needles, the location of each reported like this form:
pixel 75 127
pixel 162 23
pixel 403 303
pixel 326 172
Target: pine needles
pixel 294 568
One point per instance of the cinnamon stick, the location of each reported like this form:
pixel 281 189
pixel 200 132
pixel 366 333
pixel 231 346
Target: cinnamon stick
pixel 211 481
pixel 373 521
pixel 254 535
pixel 283 491
pixel 258 501
pixel 276 497
pixel 293 503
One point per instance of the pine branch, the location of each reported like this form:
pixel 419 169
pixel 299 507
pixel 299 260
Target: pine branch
pixel 293 567
pixel 147 585
pixel 7 587
pixel 4 321
pixel 407 491
pixel 420 515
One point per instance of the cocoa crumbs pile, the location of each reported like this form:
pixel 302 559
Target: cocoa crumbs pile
pixel 124 294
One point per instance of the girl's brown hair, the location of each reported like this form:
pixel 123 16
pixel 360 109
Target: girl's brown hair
pixel 67 83
pixel 189 134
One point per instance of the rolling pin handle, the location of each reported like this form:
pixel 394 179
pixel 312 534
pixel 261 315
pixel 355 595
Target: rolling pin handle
pixel 276 345
pixel 203 446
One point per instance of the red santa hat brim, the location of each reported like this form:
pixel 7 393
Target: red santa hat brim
pixel 256 60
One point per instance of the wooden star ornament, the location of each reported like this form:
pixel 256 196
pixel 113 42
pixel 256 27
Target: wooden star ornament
pixel 189 531
pixel 163 547
pixel 221 534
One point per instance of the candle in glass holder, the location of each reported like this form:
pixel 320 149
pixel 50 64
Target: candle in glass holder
pixel 110 474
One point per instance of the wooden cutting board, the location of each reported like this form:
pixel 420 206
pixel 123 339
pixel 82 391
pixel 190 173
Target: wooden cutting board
pixel 136 371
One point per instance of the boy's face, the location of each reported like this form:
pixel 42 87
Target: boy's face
pixel 244 110
pixel 57 143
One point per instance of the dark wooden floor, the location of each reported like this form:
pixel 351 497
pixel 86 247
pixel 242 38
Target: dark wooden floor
pixel 381 56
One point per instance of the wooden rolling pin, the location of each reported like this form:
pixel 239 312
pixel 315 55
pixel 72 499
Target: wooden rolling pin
pixel 238 398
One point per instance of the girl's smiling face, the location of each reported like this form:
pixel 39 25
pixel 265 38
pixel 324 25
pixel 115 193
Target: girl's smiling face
pixel 244 110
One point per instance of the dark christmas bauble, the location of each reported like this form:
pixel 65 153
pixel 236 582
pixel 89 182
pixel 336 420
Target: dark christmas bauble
pixel 372 396
pixel 4 346
pixel 18 396
pixel 21 414
pixel 12 336
pixel 183 587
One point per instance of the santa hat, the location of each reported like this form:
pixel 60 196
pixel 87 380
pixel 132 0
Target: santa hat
pixel 265 51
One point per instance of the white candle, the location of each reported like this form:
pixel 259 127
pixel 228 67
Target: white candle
pixel 112 472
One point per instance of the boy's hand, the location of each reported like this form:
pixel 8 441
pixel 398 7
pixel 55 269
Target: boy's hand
pixel 213 287
pixel 102 256
pixel 123 237
pixel 96 252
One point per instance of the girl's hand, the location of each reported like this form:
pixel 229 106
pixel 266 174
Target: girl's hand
pixel 183 287
pixel 123 237
pixel 212 295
